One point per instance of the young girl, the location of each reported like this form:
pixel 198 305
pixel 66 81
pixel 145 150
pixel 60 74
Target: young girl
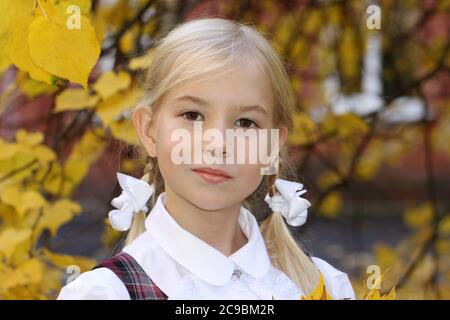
pixel 201 239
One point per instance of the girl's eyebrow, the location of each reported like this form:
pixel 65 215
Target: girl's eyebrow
pixel 256 108
pixel 196 100
pixel 202 102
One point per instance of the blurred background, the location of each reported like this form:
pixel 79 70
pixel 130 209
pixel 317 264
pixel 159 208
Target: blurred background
pixel 371 141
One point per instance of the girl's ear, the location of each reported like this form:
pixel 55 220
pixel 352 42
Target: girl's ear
pixel 145 128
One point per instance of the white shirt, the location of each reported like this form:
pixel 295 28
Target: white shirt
pixel 185 267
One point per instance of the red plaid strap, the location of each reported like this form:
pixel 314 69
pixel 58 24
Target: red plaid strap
pixel 135 279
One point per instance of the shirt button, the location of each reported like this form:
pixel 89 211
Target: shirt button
pixel 237 273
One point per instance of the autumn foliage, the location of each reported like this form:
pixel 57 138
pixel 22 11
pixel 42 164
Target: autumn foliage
pixel 82 60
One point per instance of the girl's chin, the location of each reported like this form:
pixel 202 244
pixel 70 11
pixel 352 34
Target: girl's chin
pixel 209 200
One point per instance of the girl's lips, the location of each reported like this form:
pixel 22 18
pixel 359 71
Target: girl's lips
pixel 211 175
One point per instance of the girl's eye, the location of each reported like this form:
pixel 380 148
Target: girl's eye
pixel 195 116
pixel 246 123
pixel 191 115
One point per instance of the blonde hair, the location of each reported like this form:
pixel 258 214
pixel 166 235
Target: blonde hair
pixel 210 46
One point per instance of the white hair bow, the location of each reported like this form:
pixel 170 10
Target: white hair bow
pixel 133 199
pixel 291 206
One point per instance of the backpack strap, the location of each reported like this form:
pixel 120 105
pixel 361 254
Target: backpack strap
pixel 135 279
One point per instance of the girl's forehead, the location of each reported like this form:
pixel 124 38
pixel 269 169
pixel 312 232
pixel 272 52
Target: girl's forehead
pixel 247 84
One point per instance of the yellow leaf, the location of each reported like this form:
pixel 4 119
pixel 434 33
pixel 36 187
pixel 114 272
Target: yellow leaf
pixel 44 154
pixel 30 271
pixel 348 52
pixel 419 216
pixel 29 139
pixel 31 199
pixel 75 170
pixel 57 214
pixel 63 261
pixel 316 294
pixel 5 21
pixel 374 293
pixel 350 124
pixel 62 180
pixel 10 238
pixel 53 181
pixel 329 124
pixel 31 87
pixel 100 24
pixel 151 27
pixel 285 25
pixel 334 14
pixel 29 144
pixel 67 53
pixel 109 237
pixel 23 249
pixel 90 147
pixel 124 130
pixel 128 165
pixel 327 178
pixel 22 201
pixel 390 295
pixel 11 196
pixel 141 62
pixel 442 246
pixel 313 22
pixel 128 40
pixel 319 293
pixel 304 130
pixel 109 83
pixel 87 151
pixel 118 13
pixel 444 225
pixel 17 44
pixel 21 162
pixel 386 256
pixel 8 149
pixel 112 108
pixel 331 205
pixel 51 284
pixel 370 161
pixel 75 99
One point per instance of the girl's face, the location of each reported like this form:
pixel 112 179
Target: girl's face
pixel 240 99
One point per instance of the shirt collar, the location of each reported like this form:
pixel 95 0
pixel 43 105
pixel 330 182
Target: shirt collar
pixel 200 258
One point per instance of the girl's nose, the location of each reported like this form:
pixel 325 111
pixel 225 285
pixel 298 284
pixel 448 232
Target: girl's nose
pixel 215 139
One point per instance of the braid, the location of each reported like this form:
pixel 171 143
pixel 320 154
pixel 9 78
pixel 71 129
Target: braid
pixel 151 175
pixel 284 252
pixel 271 184
pixel 148 170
